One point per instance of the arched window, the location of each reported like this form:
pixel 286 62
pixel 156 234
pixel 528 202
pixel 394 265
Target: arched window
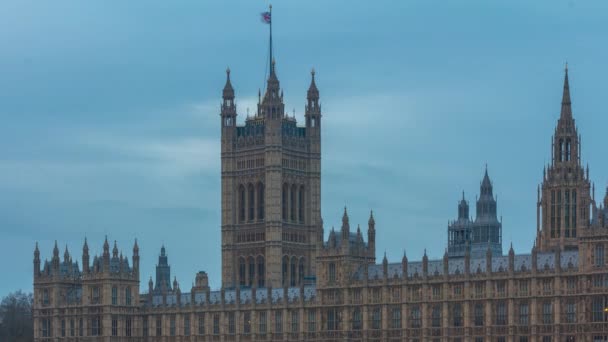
pixel 241 203
pixel 293 271
pixel 568 149
pixel 251 200
pixel 114 295
pixel 261 272
pixel 251 263
pixel 561 150
pixel 301 272
pixel 242 271
pixel 284 199
pixel 128 296
pixel 293 202
pixel 301 204
pixel 260 201
pixel 285 270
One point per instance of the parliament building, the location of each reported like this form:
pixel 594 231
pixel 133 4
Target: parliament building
pixel 282 281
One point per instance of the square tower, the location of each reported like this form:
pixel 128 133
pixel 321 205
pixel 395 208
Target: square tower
pixel 271 191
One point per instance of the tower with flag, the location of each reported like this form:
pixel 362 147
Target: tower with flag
pixel 271 188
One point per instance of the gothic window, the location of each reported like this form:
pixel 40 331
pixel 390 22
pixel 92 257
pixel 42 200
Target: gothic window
pixel 312 320
pixel 396 318
pixel 278 322
pixel 262 322
pixel 415 317
pixel 597 310
pixel 301 204
pixel 568 149
pixel 559 213
pixel 251 263
pixel 96 297
pixel 285 270
pixel 571 312
pixel 241 204
pixel 293 202
pixel 128 296
pixel 552 213
pixel 260 201
pixel 242 272
pixel 295 321
pixel 172 325
pixel 573 211
pixel 478 315
pixel 261 272
pixel 332 272
pixel 376 318
pixel 251 202
pixel 547 313
pixel 285 198
pixel 301 271
pixel 201 324
pixel 501 313
pixel 457 314
pixel 247 323
pixel 567 212
pixel 332 319
pixel 216 324
pixel 45 297
pixel 293 271
pixel 231 323
pixel 561 150
pixel 187 325
pixel 436 316
pixel 599 255
pixel 524 314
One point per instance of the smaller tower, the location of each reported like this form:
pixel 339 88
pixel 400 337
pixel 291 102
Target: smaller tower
pixel 136 259
pixel 313 108
pixel 345 228
pixel 228 112
pixel 371 235
pixel 36 261
pixel 106 256
pixel 85 257
pixel 163 272
pixel 55 260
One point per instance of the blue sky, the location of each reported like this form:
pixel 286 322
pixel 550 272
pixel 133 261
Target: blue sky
pixel 110 116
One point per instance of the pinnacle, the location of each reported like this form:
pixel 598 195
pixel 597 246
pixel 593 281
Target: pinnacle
pixel 566 112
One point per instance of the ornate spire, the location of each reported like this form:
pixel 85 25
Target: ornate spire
pixel 66 254
pixel 135 248
pixel 115 250
pixel 36 253
pixel 85 247
pixel 55 250
pixel 566 112
pixel 345 219
pixel 313 92
pixel 371 222
pixel 106 247
pixel 228 92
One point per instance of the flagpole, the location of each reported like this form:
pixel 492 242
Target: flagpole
pixel 270 10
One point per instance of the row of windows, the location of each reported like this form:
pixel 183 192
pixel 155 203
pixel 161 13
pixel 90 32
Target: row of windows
pixel 248 274
pixel 292 271
pixel 294 164
pixel 249 164
pixel 127 298
pixel 251 203
pixel 293 197
pixel 250 237
pixel 95 296
pixel 72 327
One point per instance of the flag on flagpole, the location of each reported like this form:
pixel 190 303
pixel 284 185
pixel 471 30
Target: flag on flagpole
pixel 266 17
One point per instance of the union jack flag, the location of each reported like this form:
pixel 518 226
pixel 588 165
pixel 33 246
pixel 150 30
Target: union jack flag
pixel 266 17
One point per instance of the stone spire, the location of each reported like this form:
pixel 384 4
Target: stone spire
pixel 85 257
pixel 106 248
pixel 228 92
pixel 371 234
pixel 66 255
pixel 115 250
pixel 345 228
pixel 566 112
pixel 463 209
pixel 313 92
pixel 36 261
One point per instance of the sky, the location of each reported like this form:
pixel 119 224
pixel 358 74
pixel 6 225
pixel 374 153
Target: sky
pixel 110 116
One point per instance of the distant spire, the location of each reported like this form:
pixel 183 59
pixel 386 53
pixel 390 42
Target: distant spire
pixel 56 250
pixel 371 220
pixel 115 250
pixel 85 248
pixel 228 92
pixel 566 112
pixel 37 252
pixel 313 92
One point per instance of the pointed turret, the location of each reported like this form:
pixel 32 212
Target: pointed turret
pixel 115 250
pixel 36 261
pixel 371 235
pixel 66 255
pixel 228 111
pixel 106 248
pixel 136 259
pixel 345 228
pixel 85 257
pixel 463 209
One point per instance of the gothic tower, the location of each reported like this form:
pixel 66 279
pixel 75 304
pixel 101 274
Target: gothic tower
pixel 486 234
pixel 564 198
pixel 271 190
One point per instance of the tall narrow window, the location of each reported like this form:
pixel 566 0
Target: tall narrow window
pixel 242 272
pixel 415 317
pixel 251 203
pixel 295 321
pixel 574 208
pixel 293 271
pixel 332 272
pixel 201 324
pixel 114 326
pixel 457 315
pixel 231 323
pixel 172 325
pixel 312 320
pixel 478 315
pixel 114 296
pixel 501 313
pixel 260 201
pixel 261 272
pixel 293 202
pixel 284 199
pixel 251 271
pixel 436 316
pixel 376 319
pixel 128 326
pixel 262 322
pixel 301 271
pixel 561 150
pixel 241 204
pixel 357 321
pixel 553 213
pixel 568 149
pixel 524 314
pixel 332 319
pixel 278 322
pixel 559 214
pixel 547 313
pixel 396 318
pixel 301 202
pixel 285 270
pixel 599 255
pixel 128 296
pixel 216 324
pixel 247 323
pixel 571 312
pixel 567 212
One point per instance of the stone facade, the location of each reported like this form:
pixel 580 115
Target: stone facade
pixel 282 282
